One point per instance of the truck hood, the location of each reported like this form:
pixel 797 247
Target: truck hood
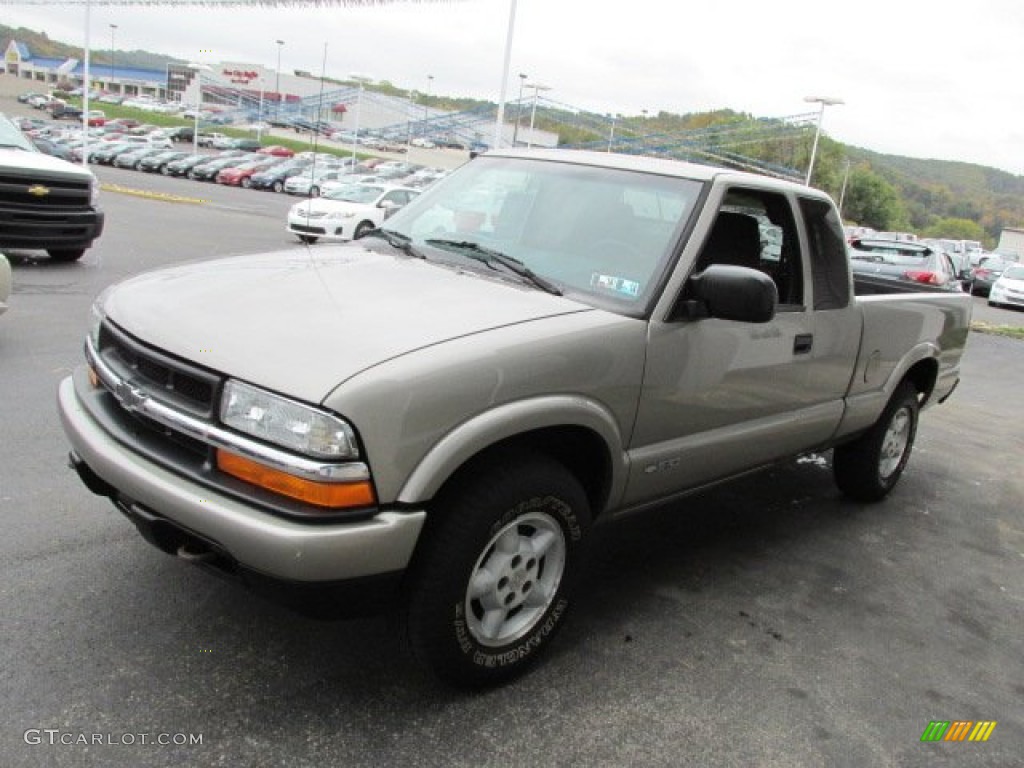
pixel 301 322
pixel 18 162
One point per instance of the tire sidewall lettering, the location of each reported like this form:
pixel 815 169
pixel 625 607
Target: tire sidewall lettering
pixel 516 653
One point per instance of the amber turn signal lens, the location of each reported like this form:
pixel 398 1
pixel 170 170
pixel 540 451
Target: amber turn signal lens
pixel 94 378
pixel 329 495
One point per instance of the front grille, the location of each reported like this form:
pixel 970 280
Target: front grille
pixel 162 376
pixel 308 229
pixel 43 194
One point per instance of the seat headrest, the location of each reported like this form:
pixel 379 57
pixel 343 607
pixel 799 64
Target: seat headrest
pixel 735 239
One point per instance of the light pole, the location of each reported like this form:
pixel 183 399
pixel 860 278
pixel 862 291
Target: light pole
pixel 277 77
pixel 359 103
pixel 537 88
pixel 824 101
pixel 259 111
pixel 426 111
pixel 611 131
pixel 842 192
pixel 111 78
pixel 519 109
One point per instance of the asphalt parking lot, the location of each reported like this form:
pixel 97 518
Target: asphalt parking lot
pixel 768 623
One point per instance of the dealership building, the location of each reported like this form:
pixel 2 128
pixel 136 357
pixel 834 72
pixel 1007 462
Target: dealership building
pixel 263 91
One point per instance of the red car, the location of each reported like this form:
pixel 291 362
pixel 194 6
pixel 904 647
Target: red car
pixel 239 175
pixel 277 151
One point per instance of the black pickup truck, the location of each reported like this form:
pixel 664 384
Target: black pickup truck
pixel 45 203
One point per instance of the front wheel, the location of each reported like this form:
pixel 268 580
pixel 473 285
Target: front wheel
pixel 308 239
pixel 278 186
pixel 870 466
pixel 496 571
pixel 362 230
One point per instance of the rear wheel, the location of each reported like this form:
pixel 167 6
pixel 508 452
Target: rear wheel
pixel 496 572
pixel 870 466
pixel 246 183
pixel 66 254
pixel 278 186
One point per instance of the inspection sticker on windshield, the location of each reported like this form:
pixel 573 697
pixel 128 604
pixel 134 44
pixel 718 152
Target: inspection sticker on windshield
pixel 621 285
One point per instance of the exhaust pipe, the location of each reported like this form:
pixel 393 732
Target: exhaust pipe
pixel 195 552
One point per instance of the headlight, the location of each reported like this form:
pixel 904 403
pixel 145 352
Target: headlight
pixel 94 192
pixel 96 315
pixel 286 423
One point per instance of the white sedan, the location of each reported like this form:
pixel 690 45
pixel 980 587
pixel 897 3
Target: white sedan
pixel 1008 289
pixel 347 213
pixel 5 282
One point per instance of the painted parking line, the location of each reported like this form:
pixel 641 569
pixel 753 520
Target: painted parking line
pixel 152 195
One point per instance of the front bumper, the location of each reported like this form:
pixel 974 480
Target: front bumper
pixel 256 540
pixel 321 227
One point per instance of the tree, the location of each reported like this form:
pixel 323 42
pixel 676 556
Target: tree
pixel 874 202
pixel 956 229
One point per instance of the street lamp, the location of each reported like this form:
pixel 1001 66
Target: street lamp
pixel 277 77
pixel 611 130
pixel 537 88
pixel 824 101
pixel 359 103
pixel 519 109
pixel 426 110
pixel 112 28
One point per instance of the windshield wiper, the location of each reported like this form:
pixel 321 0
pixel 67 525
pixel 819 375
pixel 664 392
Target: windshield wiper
pixel 491 257
pixel 396 240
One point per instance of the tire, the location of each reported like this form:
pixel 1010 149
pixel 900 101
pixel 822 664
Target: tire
pixel 314 191
pixel 191 175
pixel 278 186
pixel 870 466
pixel 992 303
pixel 309 239
pixel 66 254
pixel 495 573
pixel 362 229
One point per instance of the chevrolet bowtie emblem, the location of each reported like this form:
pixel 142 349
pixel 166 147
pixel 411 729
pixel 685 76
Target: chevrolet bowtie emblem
pixel 38 190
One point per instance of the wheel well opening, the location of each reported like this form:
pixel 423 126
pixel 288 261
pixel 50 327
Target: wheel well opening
pixel 579 450
pixel 923 375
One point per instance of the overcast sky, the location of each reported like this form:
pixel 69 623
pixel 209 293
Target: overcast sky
pixel 936 79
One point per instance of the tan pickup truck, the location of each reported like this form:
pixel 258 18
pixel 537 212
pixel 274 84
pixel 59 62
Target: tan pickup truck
pixel 432 418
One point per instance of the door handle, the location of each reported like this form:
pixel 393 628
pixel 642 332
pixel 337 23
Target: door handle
pixel 802 343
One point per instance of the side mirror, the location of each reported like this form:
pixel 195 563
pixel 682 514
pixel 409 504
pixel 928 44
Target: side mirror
pixel 732 293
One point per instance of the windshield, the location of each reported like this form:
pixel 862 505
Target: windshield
pixel 355 193
pixel 604 235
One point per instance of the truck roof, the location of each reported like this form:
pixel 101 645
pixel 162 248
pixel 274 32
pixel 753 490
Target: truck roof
pixel 664 167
